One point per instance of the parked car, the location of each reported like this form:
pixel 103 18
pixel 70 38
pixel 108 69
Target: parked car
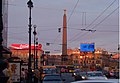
pixel 53 78
pixel 96 75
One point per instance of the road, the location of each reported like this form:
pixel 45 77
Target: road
pixel 68 78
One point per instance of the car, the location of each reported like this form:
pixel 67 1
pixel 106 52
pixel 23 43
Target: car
pixel 116 75
pixel 53 78
pixel 64 70
pixel 48 71
pixel 97 81
pixel 106 73
pixel 78 75
pixel 112 74
pixel 96 75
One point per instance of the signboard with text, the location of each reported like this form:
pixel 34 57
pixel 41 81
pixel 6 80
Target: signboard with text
pixel 87 47
pixel 15 71
pixel 24 46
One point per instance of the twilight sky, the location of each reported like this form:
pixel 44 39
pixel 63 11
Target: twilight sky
pixel 47 15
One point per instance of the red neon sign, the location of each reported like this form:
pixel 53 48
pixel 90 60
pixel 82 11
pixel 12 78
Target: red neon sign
pixel 25 46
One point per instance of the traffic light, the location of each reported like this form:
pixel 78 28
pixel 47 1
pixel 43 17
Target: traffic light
pixel 47 44
pixel 59 30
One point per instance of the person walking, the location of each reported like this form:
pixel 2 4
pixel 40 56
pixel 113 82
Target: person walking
pixel 7 72
pixel 23 75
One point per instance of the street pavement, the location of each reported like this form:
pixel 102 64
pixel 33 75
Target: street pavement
pixel 68 78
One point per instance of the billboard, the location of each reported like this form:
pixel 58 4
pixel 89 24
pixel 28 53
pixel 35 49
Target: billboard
pixel 24 46
pixel 87 47
pixel 15 71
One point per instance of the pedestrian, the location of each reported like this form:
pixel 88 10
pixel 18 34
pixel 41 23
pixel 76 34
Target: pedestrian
pixel 26 74
pixel 23 75
pixel 41 74
pixel 7 72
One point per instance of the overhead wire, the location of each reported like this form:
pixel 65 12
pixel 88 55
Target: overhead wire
pixel 105 18
pixel 98 23
pixel 73 11
pixel 74 37
pixel 96 18
pixel 69 17
pixel 41 8
pixel 67 22
pixel 101 14
pixel 47 8
pixel 98 30
pixel 49 29
pixel 72 14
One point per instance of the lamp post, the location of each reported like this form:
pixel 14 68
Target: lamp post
pixel 34 33
pixel 36 65
pixel 36 53
pixel 30 5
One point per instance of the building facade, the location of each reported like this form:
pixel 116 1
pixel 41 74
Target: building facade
pixel 5 21
pixel 97 60
pixel 3 29
pixel 22 51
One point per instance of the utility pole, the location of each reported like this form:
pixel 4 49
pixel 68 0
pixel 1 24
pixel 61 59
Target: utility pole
pixel 64 39
pixel 30 5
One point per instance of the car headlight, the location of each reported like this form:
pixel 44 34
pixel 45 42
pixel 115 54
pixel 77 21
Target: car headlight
pixel 83 77
pixel 74 73
pixel 32 70
pixel 106 78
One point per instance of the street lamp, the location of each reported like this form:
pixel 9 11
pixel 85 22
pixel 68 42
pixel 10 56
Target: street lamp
pixel 34 33
pixel 36 53
pixel 30 5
